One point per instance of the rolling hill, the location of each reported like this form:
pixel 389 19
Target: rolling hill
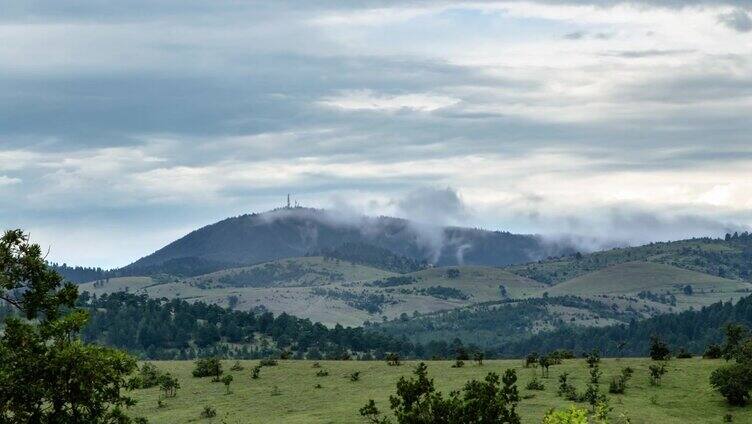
pixel 295 232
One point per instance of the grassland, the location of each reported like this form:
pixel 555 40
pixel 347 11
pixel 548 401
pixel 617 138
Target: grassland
pixel 286 393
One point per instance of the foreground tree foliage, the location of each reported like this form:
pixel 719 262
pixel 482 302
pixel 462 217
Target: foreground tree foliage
pixel 492 400
pixel 47 375
pixel 734 380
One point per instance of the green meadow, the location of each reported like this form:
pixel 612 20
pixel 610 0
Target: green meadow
pixel 287 393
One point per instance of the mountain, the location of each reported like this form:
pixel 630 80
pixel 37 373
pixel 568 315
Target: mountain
pixel 295 232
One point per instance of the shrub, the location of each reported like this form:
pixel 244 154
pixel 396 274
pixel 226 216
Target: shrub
pixel 619 383
pixel 478 357
pixel 713 351
pixel 208 367
pixel 657 371
pixel 226 380
pixel 535 384
pixel 255 372
pixel 458 363
pixel 531 360
pixel 573 415
pixel 659 350
pixel 316 365
pixel 355 376
pixel 566 390
pixel 734 381
pixel 269 362
pixel 593 358
pixel 208 412
pixel 322 373
pixel 683 353
pixel 236 366
pixel 169 385
pixel 147 377
pixel 393 359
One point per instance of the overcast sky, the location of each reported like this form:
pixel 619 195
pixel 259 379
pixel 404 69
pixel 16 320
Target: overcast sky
pixel 124 126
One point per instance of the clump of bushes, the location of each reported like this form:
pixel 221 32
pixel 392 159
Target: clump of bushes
pixel 458 363
pixel 255 372
pixel 657 371
pixel 566 389
pixel 619 383
pixel 393 359
pixel 659 350
pixel 208 412
pixel 208 367
pixel 713 351
pixel 535 384
pixel 147 377
pixel 268 362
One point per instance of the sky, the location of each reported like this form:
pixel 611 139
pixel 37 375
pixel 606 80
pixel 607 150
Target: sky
pixel 125 125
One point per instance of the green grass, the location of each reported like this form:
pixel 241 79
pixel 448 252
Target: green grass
pixel 683 397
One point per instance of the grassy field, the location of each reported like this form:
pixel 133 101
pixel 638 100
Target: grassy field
pixel 286 393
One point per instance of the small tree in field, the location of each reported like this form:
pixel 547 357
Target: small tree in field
pixel 226 380
pixel 657 371
pixel 734 380
pixel 544 362
pixel 208 367
pixel 659 350
pixel 393 359
pixel 169 385
pixel 479 356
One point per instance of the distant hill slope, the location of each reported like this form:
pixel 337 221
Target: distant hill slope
pixel 331 290
pixel 633 277
pixel 728 258
pixel 286 233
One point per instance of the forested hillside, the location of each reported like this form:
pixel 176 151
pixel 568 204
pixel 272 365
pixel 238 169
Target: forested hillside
pixel 692 330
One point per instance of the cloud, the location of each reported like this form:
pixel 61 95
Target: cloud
pixel 738 20
pixel 106 117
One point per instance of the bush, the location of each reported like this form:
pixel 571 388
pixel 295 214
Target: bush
pixel 619 383
pixel 659 350
pixel 322 373
pixel 226 380
pixel 734 381
pixel 255 372
pixel 208 412
pixel 593 358
pixel 531 359
pixel 355 376
pixel 713 351
pixel 458 363
pixel 269 362
pixel 566 390
pixel 316 365
pixel 656 373
pixel 208 367
pixel 535 384
pixel 147 377
pixel 169 385
pixel 237 367
pixel 393 359
pixel 683 353
pixel 573 415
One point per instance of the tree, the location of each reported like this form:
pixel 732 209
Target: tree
pixel 169 385
pixel 226 380
pixel 734 380
pixel 478 356
pixel 659 350
pixel 208 367
pixel 48 375
pixel 545 362
pixel 656 373
pixel 735 334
